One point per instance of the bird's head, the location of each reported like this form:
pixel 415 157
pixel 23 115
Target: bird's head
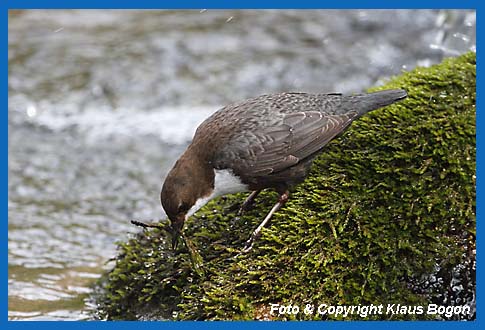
pixel 176 201
pixel 182 195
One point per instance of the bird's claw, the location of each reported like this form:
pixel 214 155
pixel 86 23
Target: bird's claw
pixel 234 207
pixel 250 242
pixel 245 208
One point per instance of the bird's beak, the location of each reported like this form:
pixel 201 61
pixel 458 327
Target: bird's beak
pixel 176 230
pixel 175 240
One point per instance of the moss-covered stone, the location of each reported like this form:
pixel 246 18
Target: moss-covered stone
pixel 386 216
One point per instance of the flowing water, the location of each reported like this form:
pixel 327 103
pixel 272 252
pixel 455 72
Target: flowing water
pixel 101 103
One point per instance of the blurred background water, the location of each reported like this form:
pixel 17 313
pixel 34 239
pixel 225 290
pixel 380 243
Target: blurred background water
pixel 101 103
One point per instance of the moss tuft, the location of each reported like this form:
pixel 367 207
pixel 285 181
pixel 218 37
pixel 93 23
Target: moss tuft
pixel 386 216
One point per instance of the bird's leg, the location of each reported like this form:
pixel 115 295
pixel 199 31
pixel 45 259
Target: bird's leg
pixel 246 205
pixel 249 200
pixel 281 201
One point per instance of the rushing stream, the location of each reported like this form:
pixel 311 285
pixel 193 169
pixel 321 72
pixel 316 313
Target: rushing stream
pixel 102 102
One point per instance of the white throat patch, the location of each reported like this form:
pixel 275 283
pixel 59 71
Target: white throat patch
pixel 225 182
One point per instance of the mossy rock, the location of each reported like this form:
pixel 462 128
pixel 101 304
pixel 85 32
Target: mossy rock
pixel 387 216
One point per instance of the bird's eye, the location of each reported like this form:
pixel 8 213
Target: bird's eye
pixel 183 207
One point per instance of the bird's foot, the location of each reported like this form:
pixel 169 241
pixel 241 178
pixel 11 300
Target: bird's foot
pixel 257 232
pixel 233 207
pixel 250 242
pixel 245 207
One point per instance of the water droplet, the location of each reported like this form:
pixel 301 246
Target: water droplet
pixel 461 36
pixel 31 110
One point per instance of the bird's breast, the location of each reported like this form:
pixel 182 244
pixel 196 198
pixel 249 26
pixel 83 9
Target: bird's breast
pixel 226 182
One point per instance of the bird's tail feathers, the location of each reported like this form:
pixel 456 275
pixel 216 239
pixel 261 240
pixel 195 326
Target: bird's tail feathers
pixel 373 101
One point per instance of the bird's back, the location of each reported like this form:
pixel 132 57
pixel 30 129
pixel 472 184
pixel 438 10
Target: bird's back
pixel 268 110
pixel 271 133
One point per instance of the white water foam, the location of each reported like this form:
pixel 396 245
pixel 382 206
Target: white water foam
pixel 174 125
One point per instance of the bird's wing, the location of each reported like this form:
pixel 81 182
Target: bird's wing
pixel 274 148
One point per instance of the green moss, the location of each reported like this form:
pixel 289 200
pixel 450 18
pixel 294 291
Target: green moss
pixel 387 216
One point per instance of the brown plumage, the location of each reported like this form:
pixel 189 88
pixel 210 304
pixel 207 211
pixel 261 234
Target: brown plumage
pixel 264 142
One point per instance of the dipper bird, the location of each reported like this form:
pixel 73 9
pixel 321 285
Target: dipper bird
pixel 264 142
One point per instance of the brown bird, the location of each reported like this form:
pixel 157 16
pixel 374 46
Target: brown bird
pixel 265 142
